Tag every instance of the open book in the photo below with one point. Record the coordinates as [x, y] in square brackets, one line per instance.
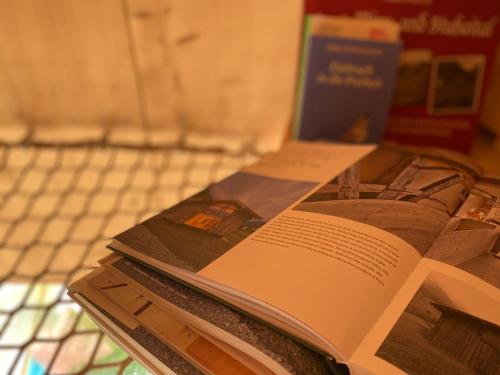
[386, 259]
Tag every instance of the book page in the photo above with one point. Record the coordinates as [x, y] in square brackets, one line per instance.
[332, 274]
[309, 161]
[446, 318]
[405, 196]
[409, 194]
[457, 286]
[443, 321]
[198, 230]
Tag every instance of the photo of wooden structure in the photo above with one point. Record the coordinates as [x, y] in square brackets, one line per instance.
[463, 240]
[198, 230]
[471, 340]
[483, 203]
[400, 174]
[407, 192]
[218, 218]
[471, 239]
[447, 328]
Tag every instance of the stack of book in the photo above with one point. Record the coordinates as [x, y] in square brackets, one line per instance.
[318, 259]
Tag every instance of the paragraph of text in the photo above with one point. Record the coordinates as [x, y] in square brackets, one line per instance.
[363, 252]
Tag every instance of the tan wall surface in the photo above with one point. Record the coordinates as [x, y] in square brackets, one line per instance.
[224, 66]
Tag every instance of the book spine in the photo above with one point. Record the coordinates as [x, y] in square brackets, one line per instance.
[304, 57]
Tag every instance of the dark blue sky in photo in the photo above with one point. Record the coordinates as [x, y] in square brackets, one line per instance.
[266, 196]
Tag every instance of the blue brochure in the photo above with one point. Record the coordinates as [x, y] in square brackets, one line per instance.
[346, 89]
